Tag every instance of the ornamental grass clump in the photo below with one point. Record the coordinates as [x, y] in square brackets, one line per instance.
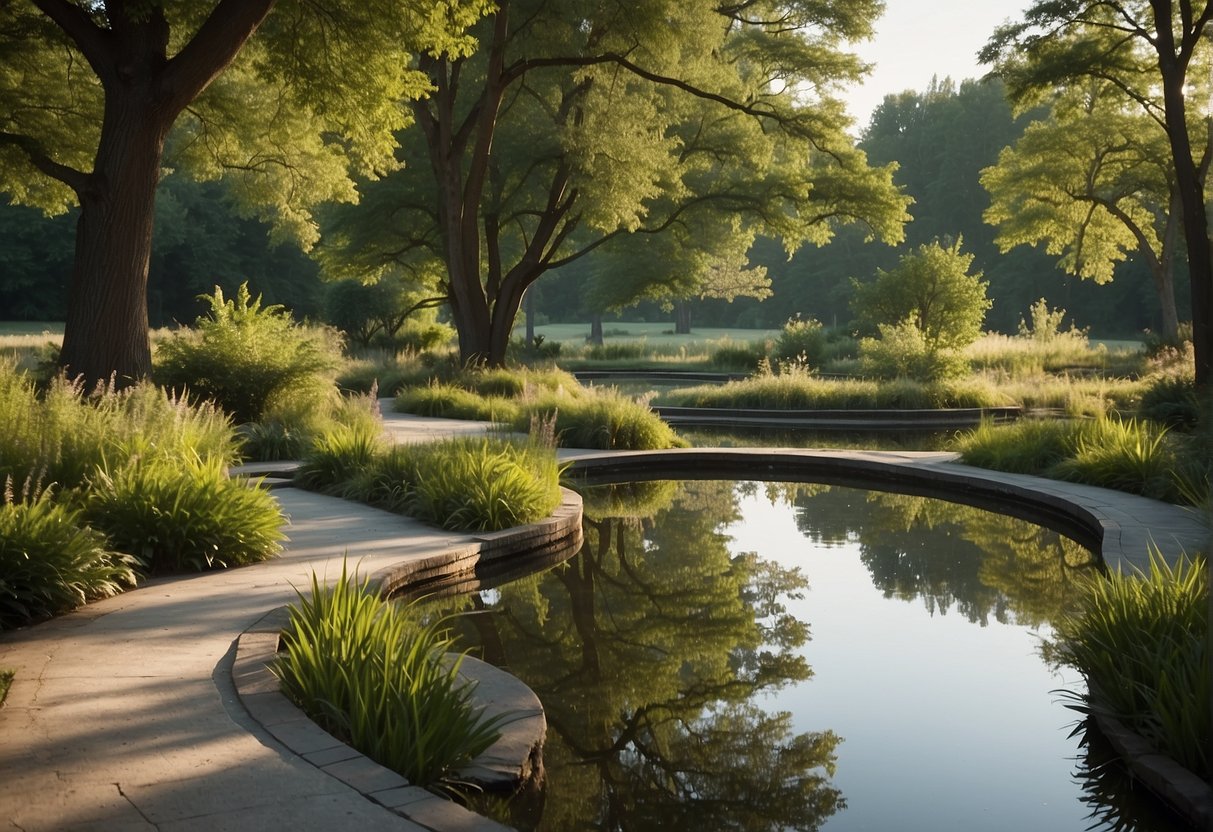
[183, 516]
[607, 420]
[1029, 446]
[50, 561]
[450, 401]
[1139, 640]
[369, 672]
[461, 484]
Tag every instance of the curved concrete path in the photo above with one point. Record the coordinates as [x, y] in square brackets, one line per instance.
[123, 715]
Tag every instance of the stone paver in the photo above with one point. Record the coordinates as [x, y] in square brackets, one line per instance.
[124, 715]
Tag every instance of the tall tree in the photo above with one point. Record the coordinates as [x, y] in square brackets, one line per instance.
[91, 89]
[1152, 51]
[1093, 182]
[576, 123]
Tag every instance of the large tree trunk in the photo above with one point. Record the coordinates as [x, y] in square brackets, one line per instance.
[106, 332]
[595, 338]
[682, 317]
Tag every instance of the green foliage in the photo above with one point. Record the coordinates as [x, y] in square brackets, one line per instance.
[1127, 455]
[371, 674]
[931, 289]
[241, 354]
[452, 402]
[50, 562]
[744, 357]
[6, 681]
[1140, 641]
[802, 391]
[802, 343]
[607, 420]
[183, 516]
[902, 351]
[1029, 446]
[467, 484]
[1171, 399]
[62, 435]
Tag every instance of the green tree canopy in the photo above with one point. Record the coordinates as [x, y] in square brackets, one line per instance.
[1157, 53]
[1093, 182]
[702, 121]
[932, 289]
[292, 95]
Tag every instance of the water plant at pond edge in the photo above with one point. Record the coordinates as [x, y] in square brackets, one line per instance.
[464, 484]
[50, 562]
[369, 672]
[1139, 640]
[1129, 455]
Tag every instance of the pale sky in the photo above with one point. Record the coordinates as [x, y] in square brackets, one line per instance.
[916, 39]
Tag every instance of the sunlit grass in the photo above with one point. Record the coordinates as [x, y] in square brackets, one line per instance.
[372, 674]
[1140, 641]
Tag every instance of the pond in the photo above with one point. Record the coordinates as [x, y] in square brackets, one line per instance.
[787, 656]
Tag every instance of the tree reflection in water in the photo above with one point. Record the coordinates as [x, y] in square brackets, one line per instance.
[655, 650]
[651, 652]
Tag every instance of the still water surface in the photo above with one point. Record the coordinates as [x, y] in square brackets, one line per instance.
[753, 656]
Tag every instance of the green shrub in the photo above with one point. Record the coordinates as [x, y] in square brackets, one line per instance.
[901, 351]
[339, 455]
[50, 562]
[176, 516]
[474, 484]
[607, 420]
[618, 351]
[1172, 400]
[241, 354]
[802, 343]
[464, 484]
[739, 357]
[1126, 455]
[796, 390]
[371, 675]
[1140, 640]
[452, 402]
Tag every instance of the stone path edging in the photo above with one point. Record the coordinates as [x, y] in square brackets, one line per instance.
[514, 758]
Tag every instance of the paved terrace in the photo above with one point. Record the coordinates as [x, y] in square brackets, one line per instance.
[124, 715]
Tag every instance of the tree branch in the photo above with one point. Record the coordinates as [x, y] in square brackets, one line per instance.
[75, 179]
[92, 41]
[213, 47]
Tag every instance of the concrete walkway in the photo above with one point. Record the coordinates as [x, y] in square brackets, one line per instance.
[123, 715]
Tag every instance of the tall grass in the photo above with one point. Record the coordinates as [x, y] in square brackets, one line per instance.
[64, 434]
[51, 562]
[1140, 642]
[797, 390]
[607, 420]
[370, 673]
[462, 484]
[1129, 455]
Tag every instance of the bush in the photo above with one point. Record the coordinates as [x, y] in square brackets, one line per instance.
[903, 352]
[240, 355]
[1139, 640]
[184, 515]
[739, 357]
[801, 343]
[371, 675]
[607, 420]
[466, 484]
[1171, 399]
[50, 562]
[452, 402]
